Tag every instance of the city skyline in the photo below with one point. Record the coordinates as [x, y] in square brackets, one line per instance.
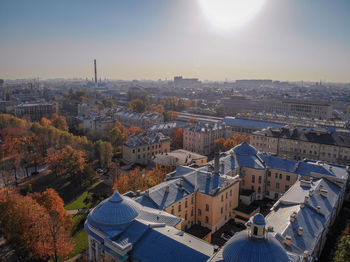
[159, 39]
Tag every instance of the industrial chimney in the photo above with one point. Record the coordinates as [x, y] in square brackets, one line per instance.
[95, 71]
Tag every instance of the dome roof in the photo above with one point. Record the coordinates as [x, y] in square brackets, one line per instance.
[115, 211]
[243, 248]
[245, 149]
[259, 220]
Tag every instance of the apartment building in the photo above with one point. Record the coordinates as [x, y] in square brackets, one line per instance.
[270, 176]
[296, 143]
[144, 120]
[199, 138]
[198, 197]
[35, 112]
[142, 147]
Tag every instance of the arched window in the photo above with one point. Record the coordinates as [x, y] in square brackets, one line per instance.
[255, 231]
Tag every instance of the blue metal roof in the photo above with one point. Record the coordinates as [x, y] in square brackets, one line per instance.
[157, 247]
[243, 248]
[279, 163]
[115, 211]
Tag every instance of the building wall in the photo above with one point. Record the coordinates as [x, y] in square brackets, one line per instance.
[278, 182]
[144, 152]
[298, 150]
[253, 179]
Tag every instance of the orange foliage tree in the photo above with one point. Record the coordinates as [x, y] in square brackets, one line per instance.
[59, 122]
[157, 108]
[45, 122]
[178, 138]
[33, 225]
[192, 120]
[140, 179]
[223, 145]
[134, 130]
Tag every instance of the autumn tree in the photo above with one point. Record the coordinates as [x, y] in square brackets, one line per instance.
[170, 116]
[134, 130]
[59, 241]
[343, 250]
[177, 141]
[157, 108]
[192, 120]
[59, 122]
[104, 153]
[137, 105]
[219, 144]
[40, 229]
[45, 122]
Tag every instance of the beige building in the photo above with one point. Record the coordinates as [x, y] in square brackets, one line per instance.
[140, 148]
[270, 176]
[298, 144]
[196, 196]
[144, 120]
[200, 138]
[179, 157]
[36, 111]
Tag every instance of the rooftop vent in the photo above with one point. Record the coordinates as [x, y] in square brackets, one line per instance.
[324, 192]
[181, 182]
[305, 183]
[216, 248]
[311, 192]
[167, 189]
[306, 199]
[270, 228]
[306, 254]
[147, 193]
[138, 192]
[302, 205]
[318, 209]
[292, 217]
[288, 240]
[300, 231]
[321, 187]
[208, 175]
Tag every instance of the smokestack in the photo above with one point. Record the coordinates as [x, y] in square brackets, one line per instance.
[95, 71]
[216, 163]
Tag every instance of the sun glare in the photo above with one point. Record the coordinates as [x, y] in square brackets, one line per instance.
[230, 14]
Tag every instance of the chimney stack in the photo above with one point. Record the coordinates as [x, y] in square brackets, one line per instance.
[216, 163]
[95, 67]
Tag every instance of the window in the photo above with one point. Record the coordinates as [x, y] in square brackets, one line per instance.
[231, 192]
[259, 179]
[253, 179]
[172, 211]
[259, 190]
[286, 187]
[222, 210]
[186, 203]
[226, 195]
[222, 198]
[253, 188]
[288, 178]
[277, 185]
[179, 208]
[192, 200]
[191, 212]
[206, 219]
[230, 203]
[199, 212]
[138, 150]
[133, 151]
[206, 207]
[186, 216]
[280, 176]
[276, 175]
[268, 183]
[226, 206]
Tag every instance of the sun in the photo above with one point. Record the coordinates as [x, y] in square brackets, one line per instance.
[230, 14]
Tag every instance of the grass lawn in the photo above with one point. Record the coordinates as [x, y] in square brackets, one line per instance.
[80, 236]
[79, 202]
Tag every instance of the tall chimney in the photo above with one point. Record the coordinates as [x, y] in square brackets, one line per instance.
[216, 163]
[95, 71]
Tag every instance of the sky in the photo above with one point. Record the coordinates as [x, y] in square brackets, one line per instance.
[158, 39]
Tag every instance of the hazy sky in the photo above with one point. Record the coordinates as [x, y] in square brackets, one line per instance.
[152, 39]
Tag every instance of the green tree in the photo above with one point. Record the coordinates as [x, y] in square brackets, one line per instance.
[343, 252]
[104, 153]
[138, 105]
